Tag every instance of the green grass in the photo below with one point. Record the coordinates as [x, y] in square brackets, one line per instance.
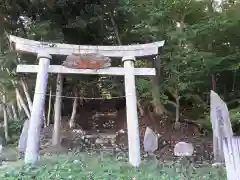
[105, 166]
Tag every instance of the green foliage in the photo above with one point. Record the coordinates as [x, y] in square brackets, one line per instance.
[201, 41]
[95, 166]
[234, 118]
[45, 30]
[15, 127]
[144, 88]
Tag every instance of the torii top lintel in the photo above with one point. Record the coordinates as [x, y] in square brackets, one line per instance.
[137, 50]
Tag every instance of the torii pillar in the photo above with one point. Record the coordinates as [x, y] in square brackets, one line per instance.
[36, 119]
[131, 108]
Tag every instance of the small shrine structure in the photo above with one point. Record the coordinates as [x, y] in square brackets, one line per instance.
[44, 52]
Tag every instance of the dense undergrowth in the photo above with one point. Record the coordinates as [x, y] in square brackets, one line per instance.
[105, 166]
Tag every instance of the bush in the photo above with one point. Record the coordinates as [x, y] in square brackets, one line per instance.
[15, 127]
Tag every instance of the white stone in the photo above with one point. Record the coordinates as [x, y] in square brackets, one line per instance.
[150, 141]
[183, 149]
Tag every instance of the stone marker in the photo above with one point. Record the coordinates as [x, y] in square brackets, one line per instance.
[22, 144]
[183, 149]
[150, 141]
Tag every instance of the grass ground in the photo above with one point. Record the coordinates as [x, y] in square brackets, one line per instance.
[92, 166]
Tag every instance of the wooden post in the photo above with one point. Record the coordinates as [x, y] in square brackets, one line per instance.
[35, 124]
[57, 110]
[131, 108]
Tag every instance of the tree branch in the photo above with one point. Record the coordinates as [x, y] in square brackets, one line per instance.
[116, 31]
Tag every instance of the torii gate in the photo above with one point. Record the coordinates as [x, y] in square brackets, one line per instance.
[44, 50]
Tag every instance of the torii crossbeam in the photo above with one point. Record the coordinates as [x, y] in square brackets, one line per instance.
[44, 50]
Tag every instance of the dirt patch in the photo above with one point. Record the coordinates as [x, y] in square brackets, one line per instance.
[168, 136]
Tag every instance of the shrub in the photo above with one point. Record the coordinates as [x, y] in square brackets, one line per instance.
[15, 127]
[234, 118]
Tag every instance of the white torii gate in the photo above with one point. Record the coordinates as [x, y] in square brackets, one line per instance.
[44, 50]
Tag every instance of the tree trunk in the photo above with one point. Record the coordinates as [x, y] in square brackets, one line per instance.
[29, 100]
[19, 107]
[9, 113]
[116, 31]
[49, 107]
[176, 94]
[140, 108]
[3, 96]
[57, 111]
[156, 123]
[74, 111]
[14, 112]
[234, 80]
[44, 118]
[158, 106]
[5, 118]
[177, 123]
[22, 103]
[214, 84]
[1, 32]
[26, 92]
